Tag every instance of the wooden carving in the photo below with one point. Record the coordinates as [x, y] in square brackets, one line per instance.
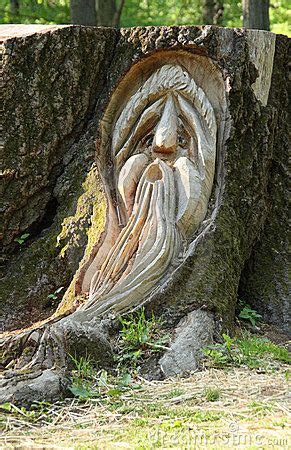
[163, 148]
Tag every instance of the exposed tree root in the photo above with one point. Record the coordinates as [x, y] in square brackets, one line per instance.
[36, 362]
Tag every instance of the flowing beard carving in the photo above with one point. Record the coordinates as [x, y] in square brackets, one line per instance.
[145, 247]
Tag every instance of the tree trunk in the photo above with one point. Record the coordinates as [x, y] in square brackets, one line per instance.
[256, 14]
[105, 12]
[148, 173]
[117, 14]
[83, 12]
[213, 12]
[14, 8]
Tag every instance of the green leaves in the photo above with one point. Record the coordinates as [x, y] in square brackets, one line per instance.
[55, 295]
[139, 338]
[22, 238]
[6, 407]
[88, 382]
[250, 314]
[81, 392]
[126, 379]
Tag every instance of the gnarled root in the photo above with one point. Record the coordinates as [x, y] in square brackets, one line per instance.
[36, 362]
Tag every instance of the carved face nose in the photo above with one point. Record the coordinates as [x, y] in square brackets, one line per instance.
[165, 139]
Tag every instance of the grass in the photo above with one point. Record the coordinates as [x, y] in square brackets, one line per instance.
[139, 338]
[176, 393]
[163, 414]
[260, 408]
[239, 396]
[248, 350]
[258, 347]
[212, 394]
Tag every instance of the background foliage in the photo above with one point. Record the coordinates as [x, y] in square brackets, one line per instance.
[146, 12]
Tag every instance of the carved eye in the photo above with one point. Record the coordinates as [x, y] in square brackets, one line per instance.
[148, 140]
[182, 141]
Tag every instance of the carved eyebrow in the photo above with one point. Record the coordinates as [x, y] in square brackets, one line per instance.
[195, 121]
[136, 112]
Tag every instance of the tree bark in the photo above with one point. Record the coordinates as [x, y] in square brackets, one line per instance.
[14, 8]
[105, 12]
[213, 12]
[83, 12]
[55, 187]
[256, 14]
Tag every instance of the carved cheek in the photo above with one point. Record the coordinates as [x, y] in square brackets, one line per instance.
[129, 177]
[188, 183]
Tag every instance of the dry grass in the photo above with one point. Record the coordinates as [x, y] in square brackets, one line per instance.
[251, 412]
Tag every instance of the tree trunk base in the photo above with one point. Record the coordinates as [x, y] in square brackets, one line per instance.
[189, 205]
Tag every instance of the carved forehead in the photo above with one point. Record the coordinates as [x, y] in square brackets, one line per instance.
[167, 79]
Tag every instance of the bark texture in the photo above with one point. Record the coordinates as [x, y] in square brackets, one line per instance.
[52, 189]
[213, 12]
[256, 14]
[49, 173]
[264, 280]
[83, 12]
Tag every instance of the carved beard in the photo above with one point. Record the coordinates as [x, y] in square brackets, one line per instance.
[164, 190]
[146, 246]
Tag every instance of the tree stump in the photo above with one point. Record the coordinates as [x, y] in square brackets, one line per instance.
[143, 167]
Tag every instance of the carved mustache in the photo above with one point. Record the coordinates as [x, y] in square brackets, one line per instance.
[187, 190]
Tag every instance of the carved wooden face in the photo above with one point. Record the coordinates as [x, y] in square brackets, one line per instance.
[163, 146]
[168, 120]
